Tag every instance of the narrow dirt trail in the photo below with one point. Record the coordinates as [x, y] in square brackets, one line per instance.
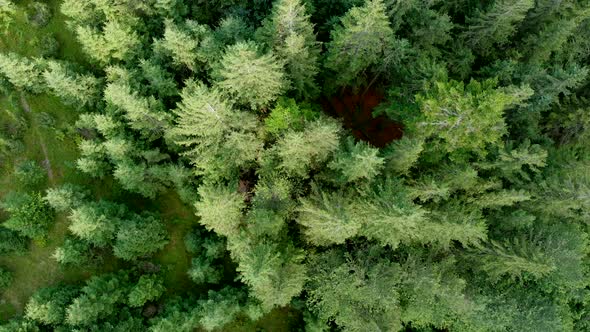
[46, 162]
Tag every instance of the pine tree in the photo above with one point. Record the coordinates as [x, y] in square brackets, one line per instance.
[96, 222]
[329, 217]
[359, 42]
[23, 73]
[249, 78]
[182, 42]
[144, 114]
[273, 271]
[220, 209]
[303, 151]
[65, 197]
[30, 216]
[73, 252]
[72, 88]
[139, 236]
[357, 292]
[356, 162]
[117, 41]
[47, 305]
[466, 118]
[148, 288]
[219, 140]
[98, 299]
[288, 31]
[496, 25]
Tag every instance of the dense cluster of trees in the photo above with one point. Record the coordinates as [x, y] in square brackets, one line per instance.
[475, 220]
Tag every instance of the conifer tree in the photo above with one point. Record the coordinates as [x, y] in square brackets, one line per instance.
[302, 151]
[360, 42]
[47, 305]
[139, 236]
[495, 25]
[75, 89]
[23, 73]
[144, 114]
[96, 222]
[288, 31]
[148, 288]
[273, 271]
[97, 300]
[219, 140]
[249, 78]
[220, 209]
[466, 117]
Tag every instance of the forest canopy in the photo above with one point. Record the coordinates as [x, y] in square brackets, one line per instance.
[294, 165]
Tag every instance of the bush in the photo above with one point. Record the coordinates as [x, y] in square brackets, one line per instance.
[73, 252]
[49, 47]
[38, 14]
[11, 242]
[30, 215]
[5, 278]
[30, 175]
[66, 197]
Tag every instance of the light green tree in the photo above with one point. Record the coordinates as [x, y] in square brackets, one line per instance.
[361, 41]
[139, 236]
[23, 73]
[288, 31]
[219, 140]
[250, 78]
[466, 117]
[220, 209]
[148, 288]
[72, 88]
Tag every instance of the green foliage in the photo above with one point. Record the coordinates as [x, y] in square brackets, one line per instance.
[96, 222]
[23, 73]
[249, 78]
[11, 242]
[356, 162]
[65, 197]
[359, 42]
[72, 88]
[205, 123]
[97, 299]
[357, 293]
[289, 33]
[30, 216]
[287, 115]
[466, 117]
[48, 305]
[475, 220]
[30, 175]
[38, 14]
[220, 209]
[7, 11]
[144, 114]
[5, 278]
[220, 308]
[328, 217]
[182, 42]
[303, 151]
[496, 25]
[148, 288]
[275, 274]
[116, 41]
[73, 252]
[139, 236]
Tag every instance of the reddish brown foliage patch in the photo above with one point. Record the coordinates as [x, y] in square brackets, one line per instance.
[356, 111]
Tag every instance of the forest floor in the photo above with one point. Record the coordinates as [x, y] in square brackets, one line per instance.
[47, 138]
